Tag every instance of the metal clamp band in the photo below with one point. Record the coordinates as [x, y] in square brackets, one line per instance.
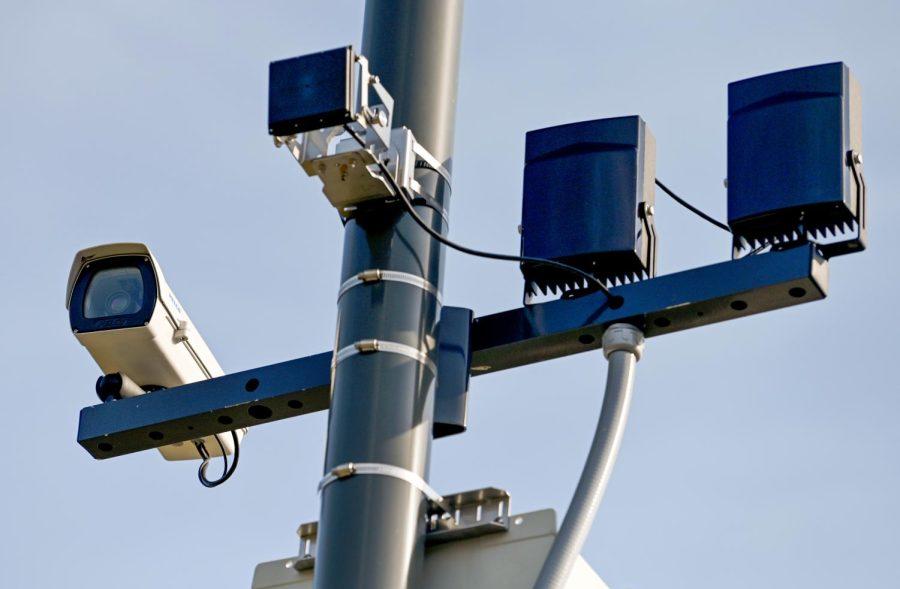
[376, 275]
[370, 346]
[431, 161]
[350, 469]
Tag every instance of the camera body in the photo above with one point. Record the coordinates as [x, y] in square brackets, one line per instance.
[123, 311]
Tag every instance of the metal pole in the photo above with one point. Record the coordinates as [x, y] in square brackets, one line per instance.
[371, 528]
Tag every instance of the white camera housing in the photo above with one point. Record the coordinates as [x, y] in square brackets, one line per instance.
[123, 311]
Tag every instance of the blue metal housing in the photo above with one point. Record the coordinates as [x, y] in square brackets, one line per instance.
[588, 190]
[791, 175]
[311, 92]
[454, 363]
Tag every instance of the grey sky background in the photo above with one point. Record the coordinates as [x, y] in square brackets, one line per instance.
[761, 452]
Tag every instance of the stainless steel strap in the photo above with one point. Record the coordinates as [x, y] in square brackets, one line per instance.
[370, 346]
[375, 275]
[350, 469]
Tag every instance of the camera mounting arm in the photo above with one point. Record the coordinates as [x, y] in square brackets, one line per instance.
[349, 167]
[685, 300]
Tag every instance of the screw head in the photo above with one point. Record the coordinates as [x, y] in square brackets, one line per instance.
[377, 117]
[857, 158]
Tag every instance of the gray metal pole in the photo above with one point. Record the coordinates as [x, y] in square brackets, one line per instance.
[371, 528]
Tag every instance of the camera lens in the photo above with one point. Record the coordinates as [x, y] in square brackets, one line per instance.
[118, 303]
[113, 292]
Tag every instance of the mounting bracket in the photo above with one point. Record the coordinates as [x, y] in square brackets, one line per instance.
[665, 304]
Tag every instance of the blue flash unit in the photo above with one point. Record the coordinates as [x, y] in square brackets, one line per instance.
[588, 202]
[795, 160]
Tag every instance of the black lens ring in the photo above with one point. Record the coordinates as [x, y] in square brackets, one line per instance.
[82, 324]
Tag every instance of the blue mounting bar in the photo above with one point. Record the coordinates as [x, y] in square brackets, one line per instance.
[674, 302]
[207, 407]
[661, 305]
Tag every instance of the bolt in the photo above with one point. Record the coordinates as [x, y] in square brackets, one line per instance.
[650, 211]
[376, 116]
[857, 158]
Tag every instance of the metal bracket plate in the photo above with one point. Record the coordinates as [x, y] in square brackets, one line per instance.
[467, 515]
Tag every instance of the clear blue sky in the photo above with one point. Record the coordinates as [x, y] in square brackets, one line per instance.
[761, 453]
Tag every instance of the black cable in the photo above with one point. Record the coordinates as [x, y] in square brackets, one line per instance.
[407, 201]
[227, 471]
[692, 208]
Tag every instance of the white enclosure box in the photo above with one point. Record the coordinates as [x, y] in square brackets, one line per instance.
[502, 560]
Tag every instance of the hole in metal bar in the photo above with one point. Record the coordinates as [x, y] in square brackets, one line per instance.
[251, 385]
[797, 292]
[699, 313]
[295, 404]
[155, 435]
[738, 305]
[105, 446]
[225, 420]
[586, 338]
[615, 302]
[259, 412]
[662, 322]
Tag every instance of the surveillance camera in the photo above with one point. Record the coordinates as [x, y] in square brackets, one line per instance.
[124, 313]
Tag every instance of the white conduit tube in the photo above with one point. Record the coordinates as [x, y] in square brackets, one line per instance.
[623, 345]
